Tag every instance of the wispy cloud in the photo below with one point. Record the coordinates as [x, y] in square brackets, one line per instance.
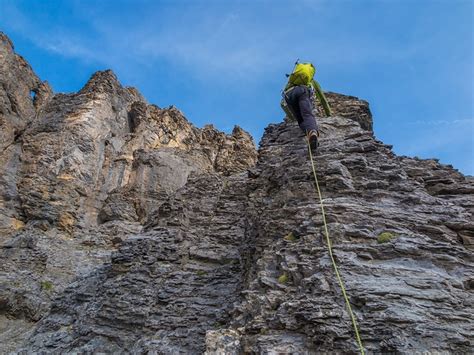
[447, 122]
[56, 40]
[451, 141]
[232, 45]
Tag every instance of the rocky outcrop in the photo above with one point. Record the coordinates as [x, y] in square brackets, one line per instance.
[350, 107]
[22, 95]
[125, 229]
[82, 171]
[407, 270]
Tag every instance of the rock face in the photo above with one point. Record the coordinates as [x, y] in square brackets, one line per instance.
[350, 107]
[125, 229]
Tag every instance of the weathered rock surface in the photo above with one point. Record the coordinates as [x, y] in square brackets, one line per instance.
[411, 293]
[22, 95]
[125, 229]
[350, 107]
[82, 172]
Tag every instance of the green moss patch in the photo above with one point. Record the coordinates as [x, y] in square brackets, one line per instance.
[47, 286]
[283, 278]
[385, 237]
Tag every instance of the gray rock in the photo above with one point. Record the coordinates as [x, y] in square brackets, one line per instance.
[350, 107]
[22, 96]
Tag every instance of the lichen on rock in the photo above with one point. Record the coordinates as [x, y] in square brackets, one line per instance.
[385, 237]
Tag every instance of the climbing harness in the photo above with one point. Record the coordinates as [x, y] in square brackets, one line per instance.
[336, 270]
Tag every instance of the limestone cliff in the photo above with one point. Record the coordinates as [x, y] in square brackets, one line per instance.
[125, 229]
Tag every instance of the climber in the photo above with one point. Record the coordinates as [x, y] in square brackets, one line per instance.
[298, 98]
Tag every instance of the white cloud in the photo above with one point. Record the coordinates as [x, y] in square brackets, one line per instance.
[451, 143]
[443, 137]
[212, 43]
[449, 122]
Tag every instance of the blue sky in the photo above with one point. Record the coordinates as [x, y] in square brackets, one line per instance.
[223, 62]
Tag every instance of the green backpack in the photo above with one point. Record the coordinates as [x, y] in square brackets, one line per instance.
[302, 74]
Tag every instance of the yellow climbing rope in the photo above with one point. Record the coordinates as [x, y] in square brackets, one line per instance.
[336, 270]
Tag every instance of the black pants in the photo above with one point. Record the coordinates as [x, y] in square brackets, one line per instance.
[299, 100]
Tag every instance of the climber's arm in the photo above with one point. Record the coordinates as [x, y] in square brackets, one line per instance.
[322, 99]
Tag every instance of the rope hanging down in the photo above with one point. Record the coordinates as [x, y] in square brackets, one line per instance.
[336, 270]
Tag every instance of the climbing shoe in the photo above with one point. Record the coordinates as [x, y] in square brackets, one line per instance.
[313, 139]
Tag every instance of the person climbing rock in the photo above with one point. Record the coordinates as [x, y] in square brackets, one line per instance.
[298, 98]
